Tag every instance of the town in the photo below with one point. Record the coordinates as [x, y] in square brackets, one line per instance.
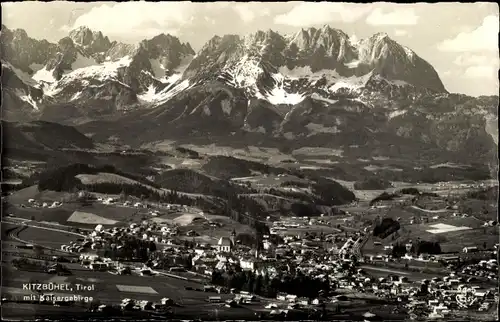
[299, 264]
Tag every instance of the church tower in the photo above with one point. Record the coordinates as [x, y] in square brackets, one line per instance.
[233, 237]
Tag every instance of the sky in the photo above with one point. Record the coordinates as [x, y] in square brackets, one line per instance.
[459, 39]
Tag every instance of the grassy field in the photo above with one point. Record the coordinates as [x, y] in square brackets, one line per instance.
[22, 196]
[310, 229]
[104, 177]
[61, 215]
[453, 241]
[89, 218]
[270, 180]
[48, 238]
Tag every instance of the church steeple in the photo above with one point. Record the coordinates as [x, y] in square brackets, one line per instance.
[233, 236]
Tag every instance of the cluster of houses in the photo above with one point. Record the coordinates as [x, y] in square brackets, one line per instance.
[102, 237]
[35, 204]
[484, 269]
[297, 222]
[436, 297]
[143, 205]
[325, 257]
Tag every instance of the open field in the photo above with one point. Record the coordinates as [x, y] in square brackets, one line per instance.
[453, 233]
[65, 215]
[103, 178]
[252, 153]
[89, 218]
[444, 228]
[22, 196]
[269, 180]
[309, 229]
[187, 219]
[454, 241]
[44, 237]
[111, 289]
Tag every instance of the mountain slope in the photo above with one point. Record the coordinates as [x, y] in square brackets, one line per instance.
[85, 74]
[315, 87]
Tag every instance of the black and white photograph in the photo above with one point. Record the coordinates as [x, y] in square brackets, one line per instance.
[249, 161]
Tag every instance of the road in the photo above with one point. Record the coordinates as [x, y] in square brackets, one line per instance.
[385, 270]
[437, 211]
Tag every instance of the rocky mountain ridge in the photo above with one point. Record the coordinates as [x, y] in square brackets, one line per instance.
[86, 68]
[316, 87]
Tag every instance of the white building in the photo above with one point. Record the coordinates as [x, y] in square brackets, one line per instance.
[225, 245]
[248, 263]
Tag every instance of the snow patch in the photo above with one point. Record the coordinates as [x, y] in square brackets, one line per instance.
[27, 98]
[305, 72]
[394, 114]
[352, 64]
[409, 53]
[318, 97]
[166, 94]
[76, 96]
[320, 128]
[352, 83]
[246, 72]
[354, 40]
[397, 82]
[171, 79]
[149, 95]
[82, 62]
[102, 72]
[278, 95]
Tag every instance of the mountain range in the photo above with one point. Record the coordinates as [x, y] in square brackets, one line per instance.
[316, 87]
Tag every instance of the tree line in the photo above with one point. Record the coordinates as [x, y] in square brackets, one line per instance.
[295, 283]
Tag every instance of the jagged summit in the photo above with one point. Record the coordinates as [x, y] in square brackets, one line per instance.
[281, 69]
[94, 41]
[313, 85]
[319, 49]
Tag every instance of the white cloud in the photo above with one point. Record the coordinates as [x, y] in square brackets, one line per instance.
[310, 13]
[246, 14]
[136, 18]
[401, 32]
[484, 37]
[481, 71]
[446, 73]
[403, 17]
[468, 59]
